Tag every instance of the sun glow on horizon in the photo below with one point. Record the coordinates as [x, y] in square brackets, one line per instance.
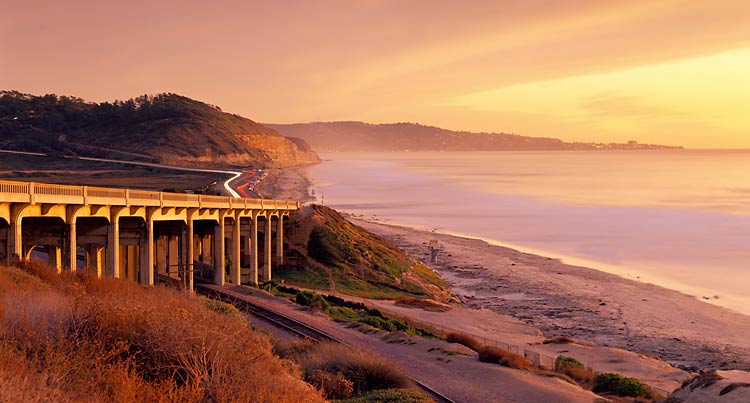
[705, 96]
[669, 72]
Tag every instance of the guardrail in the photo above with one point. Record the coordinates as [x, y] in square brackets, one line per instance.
[31, 192]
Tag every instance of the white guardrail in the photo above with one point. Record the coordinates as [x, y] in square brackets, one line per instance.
[31, 192]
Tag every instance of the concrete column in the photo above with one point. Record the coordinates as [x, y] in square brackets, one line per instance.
[15, 241]
[219, 252]
[190, 254]
[55, 257]
[234, 273]
[130, 259]
[206, 249]
[73, 245]
[147, 254]
[173, 255]
[113, 247]
[161, 250]
[280, 241]
[268, 242]
[254, 249]
[94, 260]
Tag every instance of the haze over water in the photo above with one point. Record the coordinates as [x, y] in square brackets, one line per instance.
[680, 219]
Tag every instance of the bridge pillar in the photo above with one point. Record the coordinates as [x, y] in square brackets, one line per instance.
[190, 252]
[147, 253]
[253, 239]
[268, 242]
[15, 241]
[113, 246]
[173, 255]
[234, 273]
[280, 241]
[72, 245]
[161, 249]
[54, 259]
[94, 259]
[219, 252]
[205, 245]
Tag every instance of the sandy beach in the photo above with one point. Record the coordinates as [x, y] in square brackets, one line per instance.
[559, 299]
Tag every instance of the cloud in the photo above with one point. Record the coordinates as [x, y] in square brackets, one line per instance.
[613, 104]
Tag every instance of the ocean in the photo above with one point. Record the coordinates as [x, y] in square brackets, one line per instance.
[676, 218]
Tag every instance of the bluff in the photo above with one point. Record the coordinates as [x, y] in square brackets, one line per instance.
[359, 136]
[166, 128]
[329, 252]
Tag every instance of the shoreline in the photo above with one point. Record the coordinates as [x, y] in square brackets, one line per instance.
[560, 299]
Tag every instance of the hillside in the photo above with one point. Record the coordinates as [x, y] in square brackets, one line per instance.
[359, 136]
[331, 253]
[65, 338]
[167, 128]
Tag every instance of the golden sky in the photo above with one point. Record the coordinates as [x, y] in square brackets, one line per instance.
[670, 71]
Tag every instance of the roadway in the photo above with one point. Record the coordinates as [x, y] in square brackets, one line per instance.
[227, 188]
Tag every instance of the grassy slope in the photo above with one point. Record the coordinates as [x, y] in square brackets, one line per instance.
[331, 252]
[69, 339]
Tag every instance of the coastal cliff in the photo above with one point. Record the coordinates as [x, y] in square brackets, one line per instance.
[165, 128]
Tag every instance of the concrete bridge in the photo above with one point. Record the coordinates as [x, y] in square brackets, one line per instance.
[140, 235]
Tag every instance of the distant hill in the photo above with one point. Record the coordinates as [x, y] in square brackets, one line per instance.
[359, 136]
[167, 128]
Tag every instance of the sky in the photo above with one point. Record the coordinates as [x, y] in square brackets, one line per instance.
[668, 72]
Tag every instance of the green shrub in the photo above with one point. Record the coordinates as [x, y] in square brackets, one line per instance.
[313, 300]
[575, 370]
[390, 396]
[620, 385]
[565, 361]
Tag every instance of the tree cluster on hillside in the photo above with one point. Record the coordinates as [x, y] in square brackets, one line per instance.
[162, 126]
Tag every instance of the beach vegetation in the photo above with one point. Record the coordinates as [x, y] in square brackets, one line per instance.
[503, 357]
[619, 385]
[464, 339]
[389, 396]
[341, 309]
[422, 303]
[342, 372]
[575, 370]
[559, 340]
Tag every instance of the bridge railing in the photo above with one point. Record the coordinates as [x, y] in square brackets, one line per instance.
[30, 192]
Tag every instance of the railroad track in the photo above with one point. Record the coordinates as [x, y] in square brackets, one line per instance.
[299, 329]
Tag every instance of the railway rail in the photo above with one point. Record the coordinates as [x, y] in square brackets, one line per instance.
[298, 328]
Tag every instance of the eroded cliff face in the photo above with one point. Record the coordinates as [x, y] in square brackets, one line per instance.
[281, 151]
[260, 151]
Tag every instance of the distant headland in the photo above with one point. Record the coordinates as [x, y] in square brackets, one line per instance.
[360, 136]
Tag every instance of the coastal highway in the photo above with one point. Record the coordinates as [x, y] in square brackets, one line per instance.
[227, 188]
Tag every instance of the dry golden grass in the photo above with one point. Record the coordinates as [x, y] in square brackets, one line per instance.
[503, 357]
[75, 339]
[341, 371]
[464, 339]
[426, 304]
